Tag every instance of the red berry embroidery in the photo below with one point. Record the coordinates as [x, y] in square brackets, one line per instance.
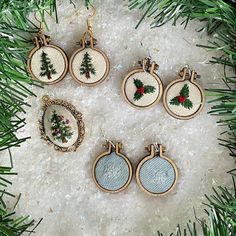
[181, 99]
[140, 90]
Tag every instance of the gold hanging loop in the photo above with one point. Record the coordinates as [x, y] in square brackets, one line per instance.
[89, 33]
[89, 19]
[41, 38]
[39, 21]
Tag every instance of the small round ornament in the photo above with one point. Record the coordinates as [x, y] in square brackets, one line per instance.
[61, 125]
[156, 174]
[184, 98]
[46, 62]
[142, 88]
[112, 170]
[89, 65]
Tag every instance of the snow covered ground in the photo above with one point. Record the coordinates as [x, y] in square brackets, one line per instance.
[59, 186]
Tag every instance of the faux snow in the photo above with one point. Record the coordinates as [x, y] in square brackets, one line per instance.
[59, 186]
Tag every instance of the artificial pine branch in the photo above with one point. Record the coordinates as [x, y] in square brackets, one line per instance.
[9, 224]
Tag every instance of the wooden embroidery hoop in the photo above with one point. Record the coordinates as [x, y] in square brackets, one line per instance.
[152, 153]
[184, 73]
[77, 115]
[110, 148]
[43, 40]
[85, 43]
[150, 68]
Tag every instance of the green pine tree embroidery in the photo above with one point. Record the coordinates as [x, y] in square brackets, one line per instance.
[46, 68]
[61, 130]
[142, 89]
[86, 67]
[182, 99]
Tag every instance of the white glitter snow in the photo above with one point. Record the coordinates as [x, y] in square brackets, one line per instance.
[59, 187]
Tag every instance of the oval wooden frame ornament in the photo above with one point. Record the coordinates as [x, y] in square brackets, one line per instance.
[40, 41]
[183, 73]
[89, 44]
[111, 148]
[148, 67]
[77, 116]
[153, 153]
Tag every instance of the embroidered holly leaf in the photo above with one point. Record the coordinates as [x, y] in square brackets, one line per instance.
[149, 89]
[182, 98]
[137, 96]
[142, 89]
[174, 101]
[187, 104]
[184, 91]
[138, 83]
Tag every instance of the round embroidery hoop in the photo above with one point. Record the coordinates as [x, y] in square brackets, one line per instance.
[101, 62]
[145, 181]
[198, 91]
[104, 178]
[53, 53]
[148, 78]
[69, 111]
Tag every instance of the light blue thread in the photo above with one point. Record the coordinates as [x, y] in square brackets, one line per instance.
[112, 172]
[157, 175]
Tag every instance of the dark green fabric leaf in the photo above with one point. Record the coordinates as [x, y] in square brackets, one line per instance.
[138, 83]
[149, 89]
[187, 104]
[184, 91]
[137, 96]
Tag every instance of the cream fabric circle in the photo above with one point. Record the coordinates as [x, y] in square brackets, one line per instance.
[130, 89]
[56, 59]
[62, 111]
[98, 62]
[195, 96]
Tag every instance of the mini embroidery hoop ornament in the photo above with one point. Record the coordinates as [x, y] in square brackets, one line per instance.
[89, 41]
[186, 74]
[148, 67]
[77, 116]
[111, 147]
[43, 40]
[155, 150]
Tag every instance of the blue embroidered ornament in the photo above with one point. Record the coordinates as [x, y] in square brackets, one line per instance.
[112, 171]
[156, 174]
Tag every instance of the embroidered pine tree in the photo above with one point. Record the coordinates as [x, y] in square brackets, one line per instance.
[183, 98]
[86, 67]
[61, 130]
[46, 68]
[142, 89]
